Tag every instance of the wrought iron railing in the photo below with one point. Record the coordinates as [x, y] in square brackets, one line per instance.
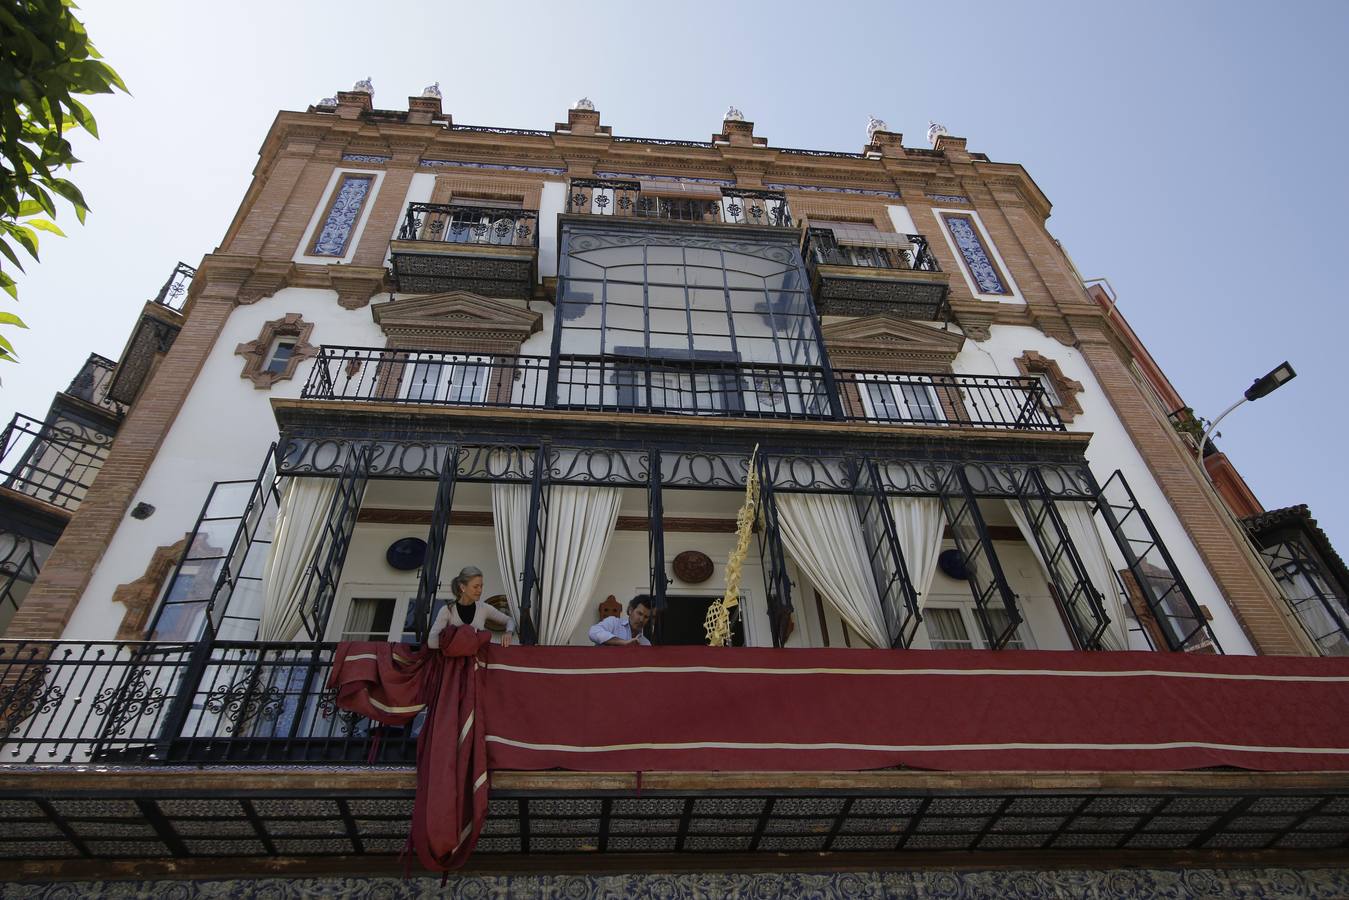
[53, 461]
[679, 387]
[174, 292]
[165, 703]
[463, 224]
[822, 247]
[92, 383]
[626, 200]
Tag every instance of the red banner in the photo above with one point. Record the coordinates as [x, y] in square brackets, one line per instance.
[704, 709]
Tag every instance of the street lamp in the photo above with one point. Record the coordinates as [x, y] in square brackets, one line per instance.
[1265, 384]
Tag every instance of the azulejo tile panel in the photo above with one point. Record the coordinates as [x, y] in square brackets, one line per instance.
[986, 276]
[342, 216]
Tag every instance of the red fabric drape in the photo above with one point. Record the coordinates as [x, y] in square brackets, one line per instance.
[392, 683]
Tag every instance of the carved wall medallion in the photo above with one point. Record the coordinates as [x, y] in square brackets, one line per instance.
[692, 567]
[258, 353]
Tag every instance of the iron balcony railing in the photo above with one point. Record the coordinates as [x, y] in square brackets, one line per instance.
[626, 200]
[53, 461]
[638, 384]
[464, 224]
[173, 294]
[92, 382]
[163, 703]
[822, 247]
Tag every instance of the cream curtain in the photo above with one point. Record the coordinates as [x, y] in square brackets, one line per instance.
[580, 524]
[510, 517]
[822, 533]
[300, 518]
[1087, 541]
[919, 525]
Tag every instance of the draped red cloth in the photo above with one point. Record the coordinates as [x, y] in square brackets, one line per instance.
[392, 683]
[766, 710]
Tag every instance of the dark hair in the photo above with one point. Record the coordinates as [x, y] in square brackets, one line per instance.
[640, 600]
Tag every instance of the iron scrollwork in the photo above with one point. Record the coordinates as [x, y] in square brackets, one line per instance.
[134, 700]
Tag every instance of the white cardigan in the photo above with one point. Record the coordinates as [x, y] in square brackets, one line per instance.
[482, 614]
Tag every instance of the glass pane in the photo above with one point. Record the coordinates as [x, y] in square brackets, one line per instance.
[946, 629]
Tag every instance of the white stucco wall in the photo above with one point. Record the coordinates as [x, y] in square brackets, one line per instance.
[1111, 448]
[221, 433]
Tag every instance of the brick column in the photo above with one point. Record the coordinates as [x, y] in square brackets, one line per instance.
[1226, 552]
[384, 218]
[54, 595]
[302, 195]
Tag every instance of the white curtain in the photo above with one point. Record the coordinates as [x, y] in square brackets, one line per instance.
[510, 518]
[919, 525]
[823, 534]
[580, 524]
[300, 518]
[1087, 541]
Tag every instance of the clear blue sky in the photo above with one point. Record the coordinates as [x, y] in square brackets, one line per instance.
[1191, 150]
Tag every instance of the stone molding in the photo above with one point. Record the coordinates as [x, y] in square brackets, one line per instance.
[1032, 363]
[139, 596]
[457, 319]
[256, 352]
[890, 343]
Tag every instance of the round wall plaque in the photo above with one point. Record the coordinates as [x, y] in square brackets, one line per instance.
[952, 564]
[406, 553]
[693, 567]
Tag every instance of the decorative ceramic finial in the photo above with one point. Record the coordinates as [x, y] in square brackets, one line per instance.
[432, 91]
[734, 115]
[874, 125]
[935, 131]
[584, 103]
[364, 86]
[328, 101]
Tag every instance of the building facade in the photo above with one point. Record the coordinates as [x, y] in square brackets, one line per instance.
[556, 356]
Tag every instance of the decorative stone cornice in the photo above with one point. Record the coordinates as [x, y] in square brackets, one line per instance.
[267, 277]
[457, 316]
[891, 338]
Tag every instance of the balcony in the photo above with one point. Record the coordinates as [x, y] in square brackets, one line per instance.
[487, 250]
[857, 271]
[670, 387]
[189, 753]
[678, 202]
[53, 462]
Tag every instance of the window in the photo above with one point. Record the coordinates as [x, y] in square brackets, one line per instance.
[901, 398]
[333, 235]
[383, 618]
[681, 622]
[1051, 393]
[950, 628]
[445, 378]
[946, 629]
[282, 351]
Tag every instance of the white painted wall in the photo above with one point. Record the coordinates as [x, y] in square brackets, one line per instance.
[221, 433]
[1111, 448]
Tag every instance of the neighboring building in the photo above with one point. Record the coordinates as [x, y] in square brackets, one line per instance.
[1307, 570]
[552, 355]
[49, 464]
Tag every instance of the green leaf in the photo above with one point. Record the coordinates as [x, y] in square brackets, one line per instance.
[26, 237]
[7, 285]
[6, 249]
[44, 225]
[83, 117]
[11, 319]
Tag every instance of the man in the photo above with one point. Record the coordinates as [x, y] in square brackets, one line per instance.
[622, 632]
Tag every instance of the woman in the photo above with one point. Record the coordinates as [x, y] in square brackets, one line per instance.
[467, 609]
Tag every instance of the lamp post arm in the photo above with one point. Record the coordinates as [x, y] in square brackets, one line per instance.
[1203, 441]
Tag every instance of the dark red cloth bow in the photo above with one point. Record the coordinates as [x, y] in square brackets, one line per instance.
[392, 683]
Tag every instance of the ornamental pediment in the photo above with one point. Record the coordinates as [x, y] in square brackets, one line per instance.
[458, 313]
[891, 335]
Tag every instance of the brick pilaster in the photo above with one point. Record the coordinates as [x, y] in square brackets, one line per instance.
[1240, 576]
